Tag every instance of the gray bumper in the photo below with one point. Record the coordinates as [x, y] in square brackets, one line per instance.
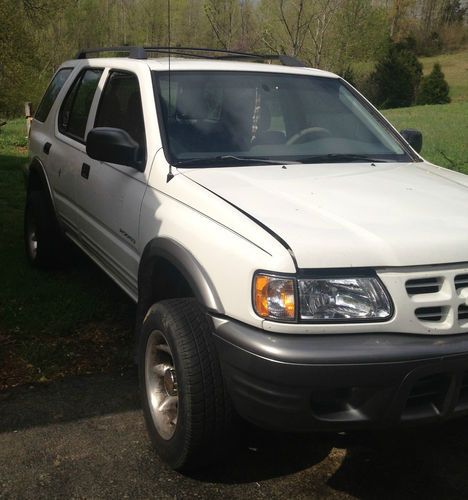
[339, 382]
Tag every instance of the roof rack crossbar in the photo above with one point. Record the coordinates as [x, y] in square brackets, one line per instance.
[136, 52]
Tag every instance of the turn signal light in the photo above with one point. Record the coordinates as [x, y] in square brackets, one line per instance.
[274, 297]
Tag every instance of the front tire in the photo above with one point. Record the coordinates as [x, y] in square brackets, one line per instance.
[187, 410]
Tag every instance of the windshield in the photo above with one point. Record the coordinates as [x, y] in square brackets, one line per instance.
[227, 117]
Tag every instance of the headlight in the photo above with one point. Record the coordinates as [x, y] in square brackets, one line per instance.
[320, 300]
[343, 299]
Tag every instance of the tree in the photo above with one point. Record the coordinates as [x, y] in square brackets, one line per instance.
[396, 77]
[434, 89]
[19, 77]
[358, 33]
[453, 12]
[398, 14]
[299, 27]
[320, 27]
[223, 16]
[285, 25]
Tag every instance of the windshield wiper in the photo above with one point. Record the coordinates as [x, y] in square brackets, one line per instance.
[228, 160]
[338, 158]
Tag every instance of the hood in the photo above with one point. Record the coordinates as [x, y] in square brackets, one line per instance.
[353, 215]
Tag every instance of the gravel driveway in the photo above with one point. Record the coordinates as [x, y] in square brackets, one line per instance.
[85, 438]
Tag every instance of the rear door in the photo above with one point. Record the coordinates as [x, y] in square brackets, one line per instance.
[69, 151]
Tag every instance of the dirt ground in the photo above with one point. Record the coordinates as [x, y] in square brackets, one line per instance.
[84, 437]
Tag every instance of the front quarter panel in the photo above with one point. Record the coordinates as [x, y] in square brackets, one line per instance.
[226, 245]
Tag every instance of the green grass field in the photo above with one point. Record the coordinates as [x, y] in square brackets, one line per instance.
[444, 128]
[73, 320]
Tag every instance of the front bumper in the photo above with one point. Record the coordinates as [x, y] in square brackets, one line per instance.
[341, 382]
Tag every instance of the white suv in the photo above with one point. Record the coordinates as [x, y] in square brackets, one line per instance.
[294, 260]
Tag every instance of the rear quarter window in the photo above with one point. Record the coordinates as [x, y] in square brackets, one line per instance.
[51, 93]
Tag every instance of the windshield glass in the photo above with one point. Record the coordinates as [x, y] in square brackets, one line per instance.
[246, 117]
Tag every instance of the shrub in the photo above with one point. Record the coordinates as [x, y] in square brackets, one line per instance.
[434, 89]
[396, 78]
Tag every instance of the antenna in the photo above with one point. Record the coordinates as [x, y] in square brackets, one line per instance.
[170, 175]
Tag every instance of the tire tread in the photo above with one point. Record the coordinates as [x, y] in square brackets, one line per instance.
[210, 420]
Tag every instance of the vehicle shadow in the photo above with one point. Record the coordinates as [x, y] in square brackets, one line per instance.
[424, 462]
[429, 461]
[260, 454]
[263, 455]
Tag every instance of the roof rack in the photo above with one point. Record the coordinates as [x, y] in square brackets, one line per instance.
[141, 52]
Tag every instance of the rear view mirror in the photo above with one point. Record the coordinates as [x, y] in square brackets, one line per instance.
[413, 137]
[113, 145]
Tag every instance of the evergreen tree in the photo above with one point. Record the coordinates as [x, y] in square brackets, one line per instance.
[434, 89]
[396, 78]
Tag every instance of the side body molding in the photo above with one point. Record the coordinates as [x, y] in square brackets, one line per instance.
[194, 273]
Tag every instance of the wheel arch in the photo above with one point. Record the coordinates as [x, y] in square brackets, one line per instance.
[163, 256]
[36, 179]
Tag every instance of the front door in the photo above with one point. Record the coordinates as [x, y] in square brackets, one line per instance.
[109, 196]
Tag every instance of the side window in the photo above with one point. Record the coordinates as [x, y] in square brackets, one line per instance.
[120, 106]
[51, 94]
[75, 108]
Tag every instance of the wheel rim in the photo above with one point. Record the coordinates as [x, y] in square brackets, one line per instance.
[32, 237]
[161, 385]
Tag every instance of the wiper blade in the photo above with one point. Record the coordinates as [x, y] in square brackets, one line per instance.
[228, 160]
[332, 158]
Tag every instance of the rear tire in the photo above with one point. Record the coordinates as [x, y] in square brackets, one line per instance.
[44, 243]
[187, 410]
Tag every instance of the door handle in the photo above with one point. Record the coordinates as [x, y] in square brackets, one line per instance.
[47, 147]
[85, 168]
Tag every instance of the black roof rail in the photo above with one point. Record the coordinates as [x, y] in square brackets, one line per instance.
[290, 61]
[133, 52]
[136, 52]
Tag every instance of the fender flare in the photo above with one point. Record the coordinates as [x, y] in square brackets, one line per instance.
[37, 166]
[188, 266]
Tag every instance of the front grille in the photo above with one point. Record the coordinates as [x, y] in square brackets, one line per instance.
[429, 300]
[437, 300]
[461, 281]
[423, 285]
[463, 312]
[429, 313]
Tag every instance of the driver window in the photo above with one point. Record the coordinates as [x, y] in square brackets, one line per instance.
[120, 106]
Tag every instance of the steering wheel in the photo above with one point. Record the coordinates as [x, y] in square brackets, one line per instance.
[316, 132]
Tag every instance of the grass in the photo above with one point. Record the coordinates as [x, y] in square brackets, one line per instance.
[52, 324]
[444, 128]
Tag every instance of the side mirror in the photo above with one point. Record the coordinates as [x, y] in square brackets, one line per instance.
[113, 145]
[413, 137]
